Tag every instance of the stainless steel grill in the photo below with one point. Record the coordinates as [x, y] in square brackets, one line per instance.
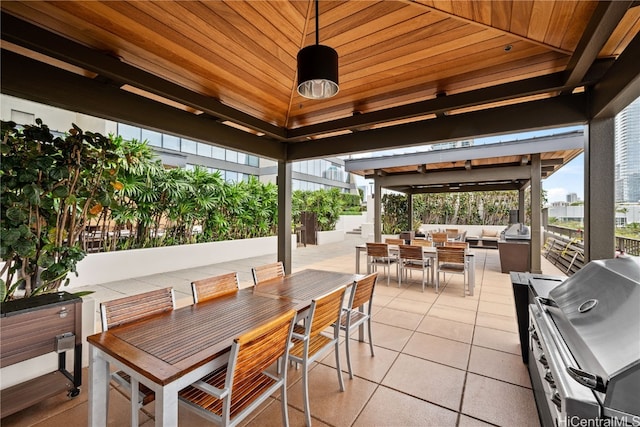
[584, 347]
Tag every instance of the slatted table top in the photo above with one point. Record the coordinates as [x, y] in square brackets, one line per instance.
[305, 285]
[166, 346]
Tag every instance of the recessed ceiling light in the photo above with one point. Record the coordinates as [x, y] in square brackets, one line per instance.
[508, 47]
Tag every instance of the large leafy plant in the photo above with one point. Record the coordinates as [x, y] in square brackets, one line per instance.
[50, 186]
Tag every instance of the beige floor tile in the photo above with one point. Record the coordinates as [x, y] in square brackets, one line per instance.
[497, 308]
[495, 321]
[466, 421]
[416, 294]
[504, 291]
[436, 349]
[457, 301]
[418, 307]
[390, 337]
[400, 319]
[382, 289]
[499, 365]
[381, 300]
[271, 416]
[498, 402]
[372, 368]
[452, 313]
[502, 299]
[327, 402]
[496, 339]
[447, 329]
[402, 410]
[426, 380]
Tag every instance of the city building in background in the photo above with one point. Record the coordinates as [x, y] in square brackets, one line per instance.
[176, 152]
[627, 166]
[572, 198]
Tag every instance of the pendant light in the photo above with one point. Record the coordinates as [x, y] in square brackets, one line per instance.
[317, 69]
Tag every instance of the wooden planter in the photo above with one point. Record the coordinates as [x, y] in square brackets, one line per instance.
[35, 326]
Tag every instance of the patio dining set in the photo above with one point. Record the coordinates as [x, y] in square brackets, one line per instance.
[226, 353]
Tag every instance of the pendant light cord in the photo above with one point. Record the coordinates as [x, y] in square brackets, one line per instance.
[317, 25]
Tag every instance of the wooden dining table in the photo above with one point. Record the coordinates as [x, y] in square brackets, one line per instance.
[167, 352]
[431, 252]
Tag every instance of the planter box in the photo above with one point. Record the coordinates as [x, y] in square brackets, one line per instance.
[106, 267]
[325, 237]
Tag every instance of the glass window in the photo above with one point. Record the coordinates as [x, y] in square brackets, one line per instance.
[253, 160]
[231, 176]
[21, 118]
[171, 142]
[304, 166]
[189, 146]
[189, 167]
[242, 158]
[217, 153]
[128, 132]
[295, 167]
[152, 137]
[232, 156]
[204, 149]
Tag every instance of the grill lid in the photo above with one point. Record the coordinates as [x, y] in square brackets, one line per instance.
[597, 312]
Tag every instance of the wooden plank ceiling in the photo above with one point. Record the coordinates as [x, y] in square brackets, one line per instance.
[400, 61]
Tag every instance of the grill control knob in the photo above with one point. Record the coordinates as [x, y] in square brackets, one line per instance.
[557, 400]
[542, 359]
[549, 378]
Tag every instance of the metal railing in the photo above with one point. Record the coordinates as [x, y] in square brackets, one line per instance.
[627, 245]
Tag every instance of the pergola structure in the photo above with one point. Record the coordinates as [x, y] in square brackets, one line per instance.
[496, 167]
[410, 73]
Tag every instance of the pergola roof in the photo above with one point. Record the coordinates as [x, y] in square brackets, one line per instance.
[492, 167]
[411, 72]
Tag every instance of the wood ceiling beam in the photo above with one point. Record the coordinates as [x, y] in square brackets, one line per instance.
[547, 113]
[508, 173]
[603, 23]
[463, 189]
[37, 39]
[533, 86]
[30, 79]
[620, 86]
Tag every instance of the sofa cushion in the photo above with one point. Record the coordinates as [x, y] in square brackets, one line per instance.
[489, 233]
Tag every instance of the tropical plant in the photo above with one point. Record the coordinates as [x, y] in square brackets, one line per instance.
[50, 187]
[325, 203]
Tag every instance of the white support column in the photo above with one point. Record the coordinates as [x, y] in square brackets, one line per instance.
[284, 214]
[599, 190]
[536, 214]
[377, 214]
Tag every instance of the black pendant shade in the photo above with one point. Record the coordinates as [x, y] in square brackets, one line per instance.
[317, 68]
[317, 72]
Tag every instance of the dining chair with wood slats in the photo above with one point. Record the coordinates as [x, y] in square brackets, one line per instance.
[413, 258]
[129, 309]
[229, 394]
[266, 272]
[378, 254]
[451, 260]
[309, 343]
[356, 314]
[439, 239]
[422, 242]
[392, 241]
[457, 245]
[214, 287]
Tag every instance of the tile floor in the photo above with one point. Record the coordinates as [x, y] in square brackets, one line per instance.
[440, 359]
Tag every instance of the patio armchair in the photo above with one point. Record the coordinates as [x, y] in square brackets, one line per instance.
[214, 287]
[392, 241]
[229, 394]
[356, 314]
[422, 242]
[439, 238]
[451, 260]
[129, 309]
[378, 255]
[266, 272]
[310, 344]
[412, 258]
